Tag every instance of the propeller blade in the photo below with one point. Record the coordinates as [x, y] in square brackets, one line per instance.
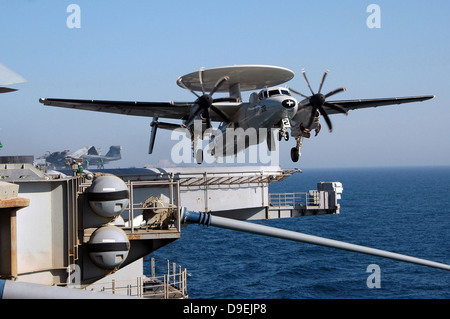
[192, 118]
[180, 82]
[307, 82]
[219, 84]
[327, 119]
[208, 119]
[154, 126]
[318, 101]
[221, 114]
[298, 93]
[334, 92]
[336, 107]
[313, 115]
[323, 80]
[200, 77]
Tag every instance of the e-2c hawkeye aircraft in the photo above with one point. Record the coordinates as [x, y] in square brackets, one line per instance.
[272, 108]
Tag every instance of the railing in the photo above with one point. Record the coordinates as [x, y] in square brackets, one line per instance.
[288, 199]
[167, 281]
[170, 285]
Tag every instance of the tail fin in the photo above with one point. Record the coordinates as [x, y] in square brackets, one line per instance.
[114, 151]
[93, 151]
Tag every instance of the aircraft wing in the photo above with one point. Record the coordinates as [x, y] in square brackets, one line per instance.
[172, 110]
[9, 77]
[359, 104]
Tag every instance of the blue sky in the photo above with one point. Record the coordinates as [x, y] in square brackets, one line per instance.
[136, 50]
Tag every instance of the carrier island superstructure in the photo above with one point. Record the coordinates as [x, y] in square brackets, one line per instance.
[84, 234]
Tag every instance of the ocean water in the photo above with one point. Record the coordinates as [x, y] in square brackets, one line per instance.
[403, 210]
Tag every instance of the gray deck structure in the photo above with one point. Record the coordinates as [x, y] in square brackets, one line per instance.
[51, 228]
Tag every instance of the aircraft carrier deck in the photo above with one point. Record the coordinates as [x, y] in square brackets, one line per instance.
[91, 230]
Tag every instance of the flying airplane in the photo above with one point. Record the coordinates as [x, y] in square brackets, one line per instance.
[272, 108]
[89, 154]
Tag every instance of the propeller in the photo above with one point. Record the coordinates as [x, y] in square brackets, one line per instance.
[154, 126]
[318, 101]
[205, 101]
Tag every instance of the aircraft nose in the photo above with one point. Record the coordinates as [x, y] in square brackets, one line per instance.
[289, 103]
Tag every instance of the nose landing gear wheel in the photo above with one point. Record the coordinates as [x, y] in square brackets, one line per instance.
[294, 154]
[282, 134]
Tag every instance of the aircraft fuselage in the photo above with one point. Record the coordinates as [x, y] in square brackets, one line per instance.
[270, 108]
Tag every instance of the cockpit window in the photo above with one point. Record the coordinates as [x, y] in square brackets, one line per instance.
[268, 93]
[263, 94]
[274, 92]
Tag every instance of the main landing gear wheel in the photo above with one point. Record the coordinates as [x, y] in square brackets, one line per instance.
[199, 156]
[270, 140]
[294, 154]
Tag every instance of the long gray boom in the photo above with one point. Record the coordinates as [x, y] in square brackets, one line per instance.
[227, 223]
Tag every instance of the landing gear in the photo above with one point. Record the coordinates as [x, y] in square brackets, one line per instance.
[199, 156]
[270, 140]
[295, 154]
[295, 151]
[282, 134]
[285, 124]
[197, 153]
